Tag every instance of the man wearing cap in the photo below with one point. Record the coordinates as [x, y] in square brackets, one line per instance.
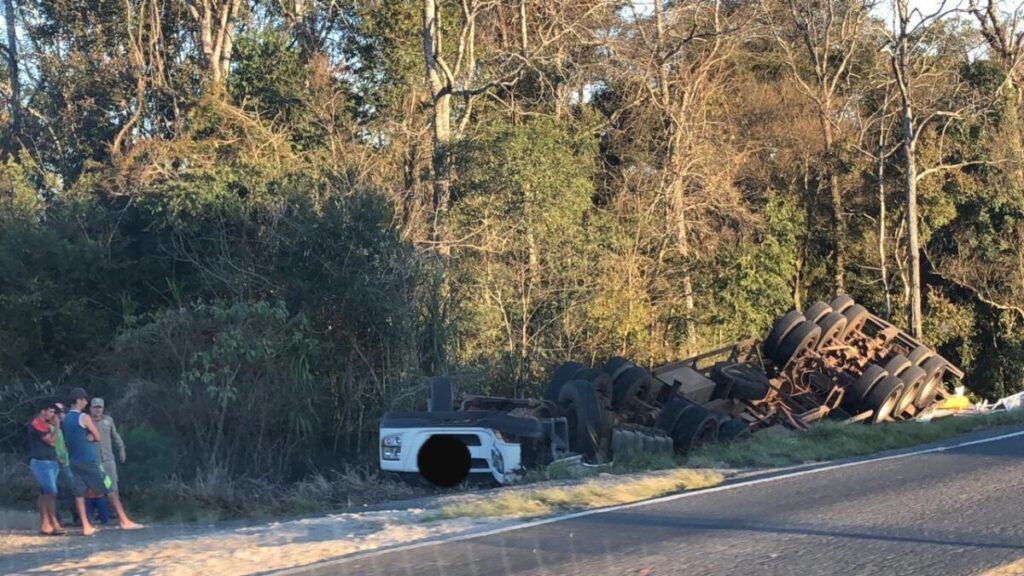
[109, 438]
[81, 436]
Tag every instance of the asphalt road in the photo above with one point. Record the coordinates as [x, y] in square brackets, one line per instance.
[955, 512]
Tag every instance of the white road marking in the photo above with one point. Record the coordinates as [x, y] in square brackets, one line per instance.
[670, 498]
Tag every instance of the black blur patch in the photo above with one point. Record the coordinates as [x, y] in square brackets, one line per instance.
[443, 461]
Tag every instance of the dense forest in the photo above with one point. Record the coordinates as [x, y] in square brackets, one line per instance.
[254, 225]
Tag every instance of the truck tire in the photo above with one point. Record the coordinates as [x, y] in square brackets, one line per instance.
[733, 429]
[633, 384]
[743, 381]
[934, 369]
[883, 398]
[696, 427]
[804, 336]
[565, 372]
[913, 379]
[670, 414]
[853, 397]
[615, 366]
[841, 303]
[441, 398]
[832, 325]
[601, 381]
[856, 316]
[780, 329]
[920, 354]
[722, 417]
[579, 404]
[897, 365]
[816, 312]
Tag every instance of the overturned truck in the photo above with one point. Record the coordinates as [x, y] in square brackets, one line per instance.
[832, 360]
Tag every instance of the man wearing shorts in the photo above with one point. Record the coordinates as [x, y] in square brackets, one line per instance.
[81, 436]
[109, 440]
[43, 462]
[65, 497]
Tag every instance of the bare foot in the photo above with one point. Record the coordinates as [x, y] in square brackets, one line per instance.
[89, 531]
[129, 525]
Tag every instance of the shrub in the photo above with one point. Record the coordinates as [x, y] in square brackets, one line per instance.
[151, 457]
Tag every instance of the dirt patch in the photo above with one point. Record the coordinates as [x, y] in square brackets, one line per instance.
[245, 550]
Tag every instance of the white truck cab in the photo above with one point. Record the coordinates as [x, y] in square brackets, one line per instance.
[400, 445]
[502, 436]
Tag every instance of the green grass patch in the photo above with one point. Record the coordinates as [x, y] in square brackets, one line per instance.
[825, 441]
[591, 494]
[832, 440]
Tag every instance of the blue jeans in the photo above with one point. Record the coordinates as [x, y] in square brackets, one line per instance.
[45, 472]
[96, 509]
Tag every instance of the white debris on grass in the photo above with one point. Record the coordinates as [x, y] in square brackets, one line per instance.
[256, 549]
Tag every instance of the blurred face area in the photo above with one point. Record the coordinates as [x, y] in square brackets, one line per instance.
[46, 414]
[96, 412]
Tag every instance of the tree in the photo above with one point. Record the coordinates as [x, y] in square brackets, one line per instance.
[914, 69]
[668, 67]
[215, 34]
[525, 257]
[827, 36]
[13, 68]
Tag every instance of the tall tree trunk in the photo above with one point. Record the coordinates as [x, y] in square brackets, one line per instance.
[913, 247]
[216, 21]
[440, 93]
[900, 66]
[838, 217]
[12, 68]
[677, 189]
[883, 260]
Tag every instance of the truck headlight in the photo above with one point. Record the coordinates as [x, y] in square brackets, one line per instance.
[391, 447]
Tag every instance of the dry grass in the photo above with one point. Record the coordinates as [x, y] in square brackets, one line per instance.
[591, 494]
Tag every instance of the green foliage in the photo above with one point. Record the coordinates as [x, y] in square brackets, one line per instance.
[523, 206]
[49, 275]
[240, 373]
[151, 458]
[753, 281]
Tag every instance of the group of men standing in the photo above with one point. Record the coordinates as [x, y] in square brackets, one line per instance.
[74, 451]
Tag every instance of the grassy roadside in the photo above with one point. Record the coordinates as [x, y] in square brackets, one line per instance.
[831, 440]
[590, 494]
[826, 441]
